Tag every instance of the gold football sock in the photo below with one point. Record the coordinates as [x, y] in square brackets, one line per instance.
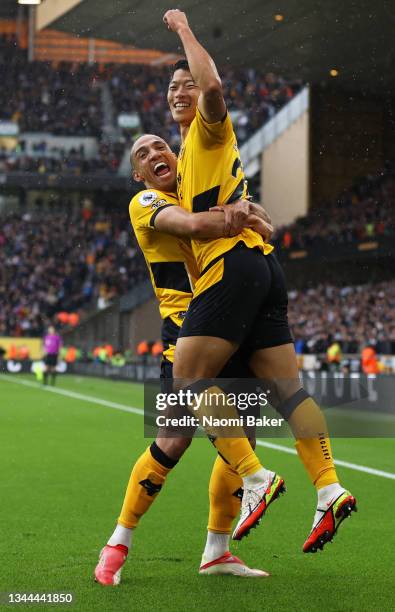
[225, 491]
[230, 439]
[309, 427]
[146, 480]
[239, 454]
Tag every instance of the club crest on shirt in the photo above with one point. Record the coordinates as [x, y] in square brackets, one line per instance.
[147, 198]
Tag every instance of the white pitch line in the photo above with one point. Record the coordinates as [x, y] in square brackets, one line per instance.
[73, 394]
[347, 464]
[96, 400]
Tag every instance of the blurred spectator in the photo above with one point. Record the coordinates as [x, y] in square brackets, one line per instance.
[47, 271]
[351, 316]
[42, 98]
[334, 356]
[60, 161]
[364, 212]
[62, 264]
[118, 360]
[252, 97]
[157, 349]
[369, 362]
[143, 350]
[65, 99]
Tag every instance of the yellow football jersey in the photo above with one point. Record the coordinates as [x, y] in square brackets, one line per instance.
[169, 259]
[210, 173]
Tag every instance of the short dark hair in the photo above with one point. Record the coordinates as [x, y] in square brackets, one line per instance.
[182, 64]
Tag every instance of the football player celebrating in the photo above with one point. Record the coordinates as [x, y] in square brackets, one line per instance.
[242, 277]
[162, 238]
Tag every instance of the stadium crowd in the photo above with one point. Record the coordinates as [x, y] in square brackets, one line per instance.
[45, 269]
[75, 260]
[58, 160]
[363, 212]
[65, 99]
[40, 98]
[252, 97]
[81, 259]
[354, 316]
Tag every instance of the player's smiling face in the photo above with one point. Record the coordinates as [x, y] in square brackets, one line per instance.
[154, 163]
[182, 96]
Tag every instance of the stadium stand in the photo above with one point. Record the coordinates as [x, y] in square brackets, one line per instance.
[62, 101]
[58, 160]
[354, 316]
[252, 97]
[69, 262]
[65, 99]
[45, 269]
[363, 212]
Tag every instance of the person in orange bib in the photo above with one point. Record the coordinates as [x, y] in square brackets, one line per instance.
[369, 361]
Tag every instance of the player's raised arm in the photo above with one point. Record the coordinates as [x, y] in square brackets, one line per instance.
[211, 102]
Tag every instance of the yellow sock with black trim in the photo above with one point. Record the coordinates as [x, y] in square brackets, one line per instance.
[146, 480]
[239, 454]
[230, 439]
[313, 446]
[225, 492]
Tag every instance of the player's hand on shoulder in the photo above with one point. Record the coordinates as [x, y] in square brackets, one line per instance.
[175, 20]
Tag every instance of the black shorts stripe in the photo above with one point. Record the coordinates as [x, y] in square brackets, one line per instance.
[171, 275]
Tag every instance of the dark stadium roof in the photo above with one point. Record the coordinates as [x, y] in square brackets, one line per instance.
[354, 36]
[8, 9]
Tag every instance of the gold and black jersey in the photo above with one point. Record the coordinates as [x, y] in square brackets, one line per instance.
[169, 259]
[210, 173]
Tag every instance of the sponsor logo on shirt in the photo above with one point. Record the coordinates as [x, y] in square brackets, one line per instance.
[158, 204]
[147, 198]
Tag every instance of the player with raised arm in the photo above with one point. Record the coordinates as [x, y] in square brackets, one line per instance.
[172, 268]
[242, 277]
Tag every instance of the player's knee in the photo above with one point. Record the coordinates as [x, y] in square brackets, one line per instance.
[173, 447]
[288, 406]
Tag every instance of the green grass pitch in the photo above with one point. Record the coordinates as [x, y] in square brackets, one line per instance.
[65, 463]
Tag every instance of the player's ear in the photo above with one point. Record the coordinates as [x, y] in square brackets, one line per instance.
[137, 177]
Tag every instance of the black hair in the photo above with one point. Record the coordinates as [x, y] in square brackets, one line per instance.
[182, 64]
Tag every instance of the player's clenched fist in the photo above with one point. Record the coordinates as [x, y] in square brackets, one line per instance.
[175, 20]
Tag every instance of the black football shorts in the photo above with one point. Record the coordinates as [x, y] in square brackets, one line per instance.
[51, 360]
[247, 306]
